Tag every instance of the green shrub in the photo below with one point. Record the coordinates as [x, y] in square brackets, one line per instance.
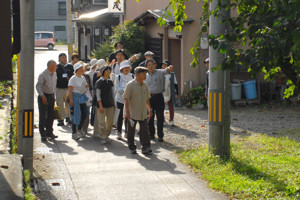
[194, 96]
[103, 50]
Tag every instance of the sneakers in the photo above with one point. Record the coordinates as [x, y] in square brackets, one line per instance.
[152, 137]
[126, 135]
[44, 139]
[60, 123]
[103, 141]
[75, 136]
[165, 123]
[147, 151]
[160, 139]
[133, 151]
[68, 121]
[171, 123]
[119, 137]
[81, 133]
[52, 136]
[108, 140]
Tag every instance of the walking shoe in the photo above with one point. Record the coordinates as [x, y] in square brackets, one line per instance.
[152, 137]
[160, 139]
[75, 136]
[96, 136]
[119, 137]
[44, 139]
[68, 121]
[81, 133]
[108, 140]
[53, 136]
[147, 151]
[165, 123]
[171, 123]
[133, 151]
[103, 141]
[60, 123]
[126, 135]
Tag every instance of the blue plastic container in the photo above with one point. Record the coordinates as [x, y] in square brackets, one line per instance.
[250, 89]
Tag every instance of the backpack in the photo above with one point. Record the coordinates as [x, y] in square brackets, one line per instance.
[120, 76]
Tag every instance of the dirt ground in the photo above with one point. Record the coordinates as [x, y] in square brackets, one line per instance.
[191, 125]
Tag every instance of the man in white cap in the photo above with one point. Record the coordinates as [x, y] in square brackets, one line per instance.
[148, 55]
[206, 62]
[93, 64]
[120, 84]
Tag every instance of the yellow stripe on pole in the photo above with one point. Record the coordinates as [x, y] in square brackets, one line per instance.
[215, 107]
[210, 107]
[220, 107]
[25, 124]
[30, 125]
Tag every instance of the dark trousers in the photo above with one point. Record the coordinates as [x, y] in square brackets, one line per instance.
[144, 135]
[46, 115]
[158, 106]
[82, 118]
[171, 110]
[120, 106]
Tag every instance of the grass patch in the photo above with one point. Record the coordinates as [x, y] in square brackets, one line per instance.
[13, 134]
[27, 189]
[260, 167]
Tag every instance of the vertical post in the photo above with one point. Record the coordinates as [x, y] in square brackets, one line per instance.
[219, 111]
[69, 30]
[121, 21]
[25, 143]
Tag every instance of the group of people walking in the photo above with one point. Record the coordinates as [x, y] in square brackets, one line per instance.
[107, 89]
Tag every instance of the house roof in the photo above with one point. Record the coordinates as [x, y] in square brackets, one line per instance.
[99, 16]
[149, 15]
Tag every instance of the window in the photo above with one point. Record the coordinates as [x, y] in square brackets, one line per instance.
[59, 28]
[46, 35]
[36, 36]
[62, 8]
[99, 1]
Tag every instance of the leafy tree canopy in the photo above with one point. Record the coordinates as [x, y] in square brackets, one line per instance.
[268, 29]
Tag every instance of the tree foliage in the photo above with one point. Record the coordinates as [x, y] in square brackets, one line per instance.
[269, 30]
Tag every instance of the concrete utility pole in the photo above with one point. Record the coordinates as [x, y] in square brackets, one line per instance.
[26, 94]
[69, 30]
[219, 92]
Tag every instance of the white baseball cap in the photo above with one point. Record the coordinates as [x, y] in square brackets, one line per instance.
[77, 66]
[93, 62]
[125, 63]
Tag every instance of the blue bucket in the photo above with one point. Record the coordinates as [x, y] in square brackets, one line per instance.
[250, 89]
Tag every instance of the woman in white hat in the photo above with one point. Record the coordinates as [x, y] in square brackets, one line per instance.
[120, 84]
[77, 89]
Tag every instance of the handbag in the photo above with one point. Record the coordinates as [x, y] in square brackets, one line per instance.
[57, 114]
[116, 115]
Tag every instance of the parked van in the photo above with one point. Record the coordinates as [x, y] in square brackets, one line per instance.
[44, 39]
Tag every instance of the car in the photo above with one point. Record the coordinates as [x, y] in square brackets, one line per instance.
[44, 39]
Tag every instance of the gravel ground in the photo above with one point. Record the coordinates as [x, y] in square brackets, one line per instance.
[191, 125]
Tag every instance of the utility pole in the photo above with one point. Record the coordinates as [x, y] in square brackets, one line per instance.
[219, 92]
[69, 30]
[26, 94]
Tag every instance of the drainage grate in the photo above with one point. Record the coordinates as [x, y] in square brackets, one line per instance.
[43, 150]
[51, 184]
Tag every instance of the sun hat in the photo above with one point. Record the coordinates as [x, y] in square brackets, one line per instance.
[206, 60]
[77, 66]
[149, 60]
[93, 62]
[166, 62]
[125, 63]
[101, 63]
[148, 53]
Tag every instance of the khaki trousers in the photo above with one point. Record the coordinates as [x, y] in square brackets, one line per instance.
[61, 95]
[96, 124]
[105, 121]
